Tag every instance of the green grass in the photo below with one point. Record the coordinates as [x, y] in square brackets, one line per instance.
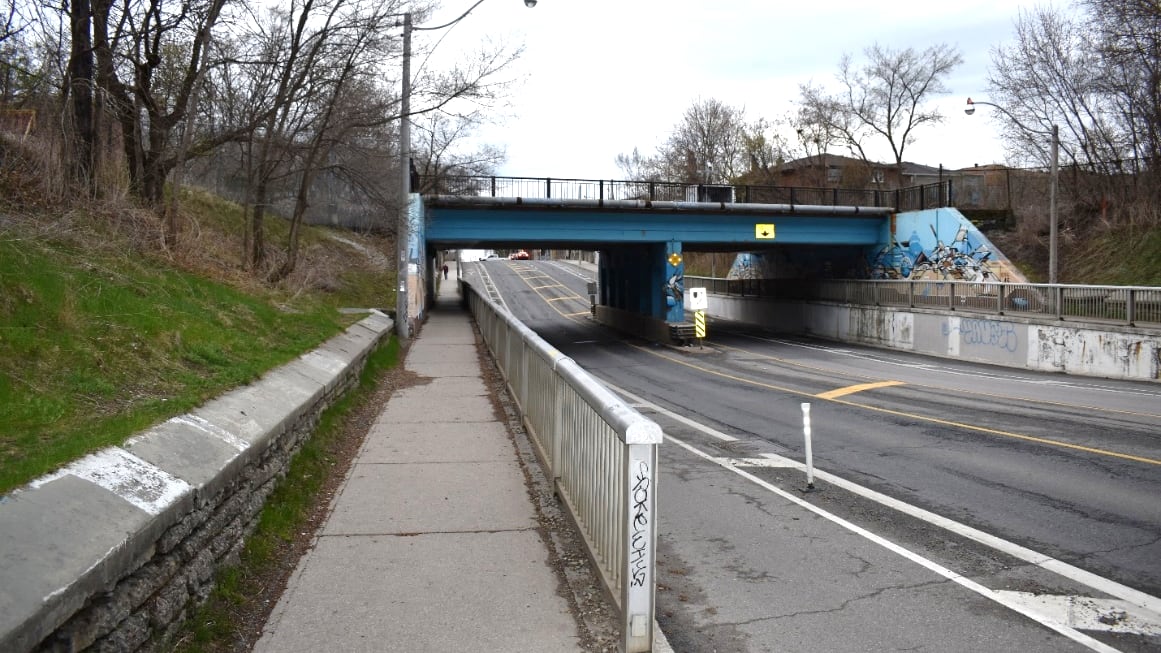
[99, 342]
[214, 625]
[1124, 256]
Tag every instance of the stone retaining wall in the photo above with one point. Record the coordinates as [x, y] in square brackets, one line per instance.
[113, 551]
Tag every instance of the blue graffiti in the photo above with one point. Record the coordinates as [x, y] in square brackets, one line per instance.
[909, 260]
[986, 333]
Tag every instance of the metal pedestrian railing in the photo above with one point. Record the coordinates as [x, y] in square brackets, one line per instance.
[1128, 305]
[600, 453]
[914, 198]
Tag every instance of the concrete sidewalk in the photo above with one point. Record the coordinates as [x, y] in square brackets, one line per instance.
[433, 542]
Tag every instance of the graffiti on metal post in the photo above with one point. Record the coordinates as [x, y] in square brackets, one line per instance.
[986, 332]
[639, 544]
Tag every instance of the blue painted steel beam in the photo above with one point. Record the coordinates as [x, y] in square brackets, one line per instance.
[454, 226]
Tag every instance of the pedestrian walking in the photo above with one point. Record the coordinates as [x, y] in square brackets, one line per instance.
[445, 270]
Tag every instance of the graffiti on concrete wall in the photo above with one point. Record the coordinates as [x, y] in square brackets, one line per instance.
[963, 258]
[986, 333]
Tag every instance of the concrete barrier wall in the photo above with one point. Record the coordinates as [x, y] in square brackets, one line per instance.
[1112, 351]
[111, 552]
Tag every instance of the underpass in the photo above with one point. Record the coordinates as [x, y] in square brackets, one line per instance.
[960, 508]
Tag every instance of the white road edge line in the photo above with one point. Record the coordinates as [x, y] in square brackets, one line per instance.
[492, 287]
[1041, 560]
[931, 565]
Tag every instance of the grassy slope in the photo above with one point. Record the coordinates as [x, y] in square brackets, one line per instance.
[102, 336]
[1124, 256]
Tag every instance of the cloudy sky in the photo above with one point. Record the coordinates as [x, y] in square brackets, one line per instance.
[600, 77]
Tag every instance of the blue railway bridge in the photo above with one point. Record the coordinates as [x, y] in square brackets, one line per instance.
[642, 230]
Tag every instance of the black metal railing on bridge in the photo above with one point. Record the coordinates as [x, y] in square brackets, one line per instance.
[915, 198]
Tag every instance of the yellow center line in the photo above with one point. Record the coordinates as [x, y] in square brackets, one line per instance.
[897, 413]
[550, 301]
[851, 389]
[930, 386]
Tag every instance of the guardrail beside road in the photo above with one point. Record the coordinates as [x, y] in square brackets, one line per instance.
[600, 453]
[1128, 305]
[1101, 331]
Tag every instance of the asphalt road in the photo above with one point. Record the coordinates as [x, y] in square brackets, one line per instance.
[953, 507]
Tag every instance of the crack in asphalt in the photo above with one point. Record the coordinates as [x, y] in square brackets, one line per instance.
[841, 607]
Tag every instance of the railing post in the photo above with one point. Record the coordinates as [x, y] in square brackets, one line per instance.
[1000, 298]
[557, 436]
[792, 193]
[1131, 307]
[951, 296]
[650, 191]
[834, 201]
[493, 186]
[601, 192]
[898, 206]
[1058, 300]
[548, 187]
[640, 542]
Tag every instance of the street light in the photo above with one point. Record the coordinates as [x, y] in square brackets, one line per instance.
[403, 228]
[1053, 176]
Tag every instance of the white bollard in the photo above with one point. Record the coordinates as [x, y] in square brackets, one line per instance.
[809, 453]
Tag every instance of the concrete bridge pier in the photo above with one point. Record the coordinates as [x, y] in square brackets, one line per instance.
[642, 288]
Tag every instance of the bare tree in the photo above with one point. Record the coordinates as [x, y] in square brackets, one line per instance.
[1048, 76]
[636, 167]
[709, 145]
[320, 77]
[19, 77]
[885, 97]
[1097, 76]
[765, 150]
[11, 22]
[133, 42]
[347, 103]
[1128, 33]
[439, 157]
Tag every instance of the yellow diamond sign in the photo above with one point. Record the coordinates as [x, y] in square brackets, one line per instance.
[674, 259]
[764, 231]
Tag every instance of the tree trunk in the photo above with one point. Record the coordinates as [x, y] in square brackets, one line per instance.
[81, 78]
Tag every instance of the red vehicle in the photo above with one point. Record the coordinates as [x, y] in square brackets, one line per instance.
[519, 255]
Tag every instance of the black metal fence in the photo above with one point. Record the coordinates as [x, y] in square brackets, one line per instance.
[915, 198]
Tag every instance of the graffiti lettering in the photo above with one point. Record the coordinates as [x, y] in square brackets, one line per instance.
[639, 541]
[988, 333]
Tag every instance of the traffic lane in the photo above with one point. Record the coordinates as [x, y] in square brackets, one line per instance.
[861, 361]
[890, 466]
[741, 569]
[1082, 427]
[1096, 512]
[539, 295]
